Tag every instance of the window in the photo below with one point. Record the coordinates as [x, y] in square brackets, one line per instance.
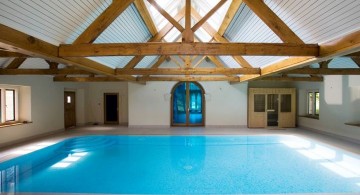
[259, 103]
[286, 103]
[9, 105]
[313, 103]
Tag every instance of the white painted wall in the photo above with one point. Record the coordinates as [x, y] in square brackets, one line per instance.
[94, 104]
[339, 104]
[47, 107]
[226, 105]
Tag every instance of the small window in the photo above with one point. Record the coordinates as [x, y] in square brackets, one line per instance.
[9, 105]
[68, 99]
[313, 103]
[285, 103]
[259, 103]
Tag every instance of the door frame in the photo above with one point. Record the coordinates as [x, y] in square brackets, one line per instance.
[117, 109]
[187, 88]
[65, 102]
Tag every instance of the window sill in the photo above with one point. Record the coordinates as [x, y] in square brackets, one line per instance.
[310, 116]
[10, 124]
[353, 124]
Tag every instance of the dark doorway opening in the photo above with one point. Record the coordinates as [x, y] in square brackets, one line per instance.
[111, 108]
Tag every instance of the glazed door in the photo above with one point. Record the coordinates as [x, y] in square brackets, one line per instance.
[272, 110]
[69, 109]
[187, 105]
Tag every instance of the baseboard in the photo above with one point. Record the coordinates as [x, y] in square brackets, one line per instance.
[28, 139]
[349, 139]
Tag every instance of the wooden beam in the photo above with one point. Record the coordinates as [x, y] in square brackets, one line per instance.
[325, 64]
[134, 49]
[199, 62]
[19, 42]
[195, 71]
[159, 36]
[326, 71]
[87, 79]
[188, 34]
[339, 47]
[52, 65]
[219, 38]
[189, 78]
[176, 62]
[166, 15]
[273, 21]
[296, 79]
[208, 15]
[356, 60]
[16, 63]
[103, 21]
[64, 71]
[234, 6]
[144, 12]
[7, 54]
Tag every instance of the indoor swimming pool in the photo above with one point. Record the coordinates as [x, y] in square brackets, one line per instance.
[184, 165]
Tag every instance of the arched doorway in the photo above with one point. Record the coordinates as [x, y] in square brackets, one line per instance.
[187, 104]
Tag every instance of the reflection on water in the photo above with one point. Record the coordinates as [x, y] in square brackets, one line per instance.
[188, 153]
[8, 179]
[334, 160]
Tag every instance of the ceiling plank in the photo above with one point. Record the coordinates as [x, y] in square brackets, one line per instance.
[208, 15]
[219, 38]
[166, 15]
[193, 71]
[103, 21]
[15, 63]
[273, 21]
[65, 71]
[234, 6]
[144, 12]
[325, 71]
[8, 54]
[188, 34]
[297, 79]
[339, 47]
[134, 49]
[19, 42]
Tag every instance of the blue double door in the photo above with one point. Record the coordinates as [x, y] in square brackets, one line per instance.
[187, 104]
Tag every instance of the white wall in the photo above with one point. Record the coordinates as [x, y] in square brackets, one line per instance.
[339, 104]
[150, 104]
[47, 107]
[94, 105]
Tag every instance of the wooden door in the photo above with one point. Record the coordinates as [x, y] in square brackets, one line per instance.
[111, 108]
[69, 109]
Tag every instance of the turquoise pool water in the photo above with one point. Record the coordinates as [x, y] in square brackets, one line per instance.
[184, 165]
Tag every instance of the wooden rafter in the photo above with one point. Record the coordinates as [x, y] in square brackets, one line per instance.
[166, 15]
[7, 54]
[64, 71]
[208, 15]
[297, 79]
[234, 6]
[144, 12]
[325, 64]
[19, 42]
[15, 63]
[219, 38]
[326, 71]
[339, 47]
[159, 36]
[103, 21]
[135, 49]
[87, 79]
[193, 71]
[219, 64]
[52, 65]
[273, 21]
[199, 62]
[356, 60]
[140, 79]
